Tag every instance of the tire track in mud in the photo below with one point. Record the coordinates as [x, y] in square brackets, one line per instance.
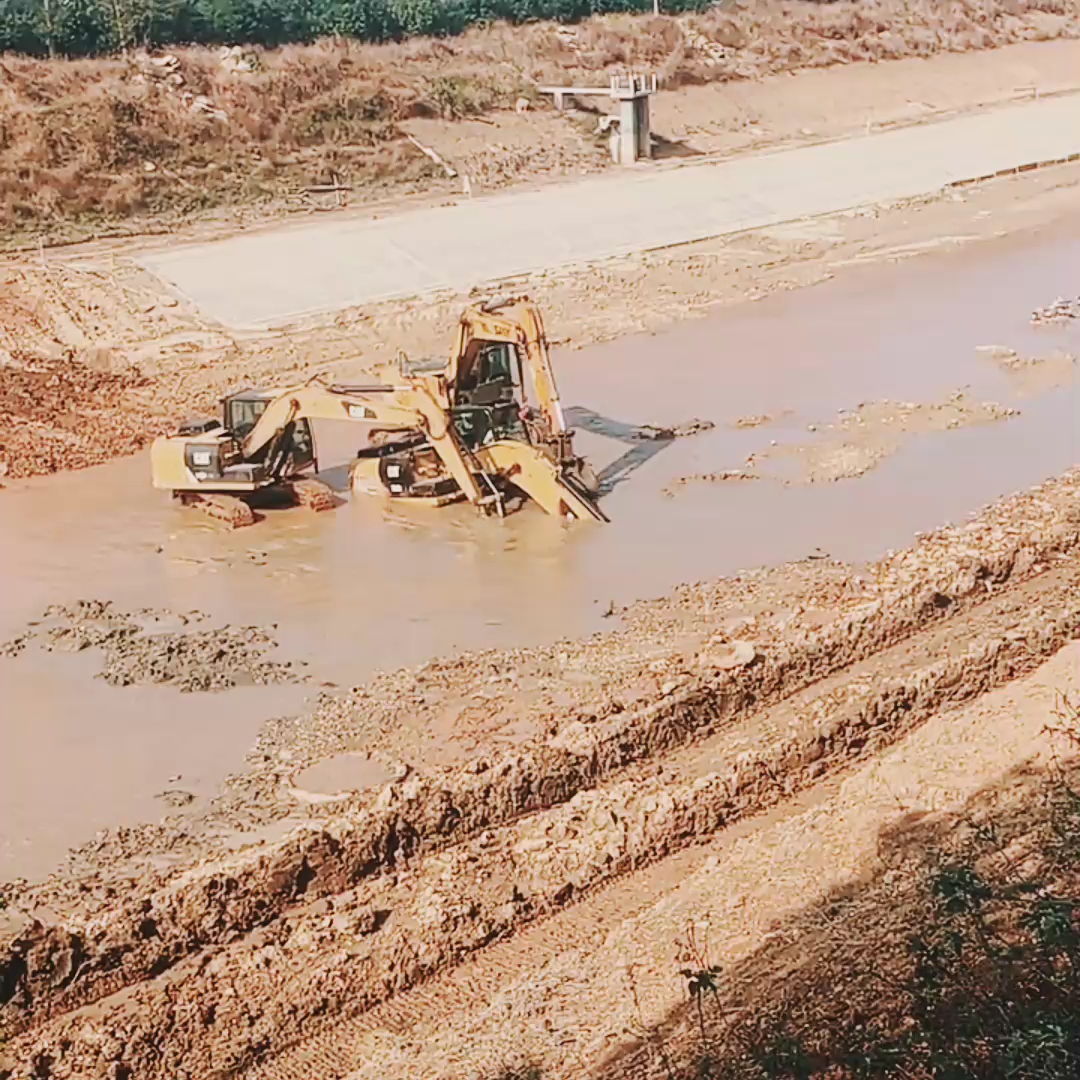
[335, 957]
[162, 920]
[868, 712]
[177, 924]
[596, 982]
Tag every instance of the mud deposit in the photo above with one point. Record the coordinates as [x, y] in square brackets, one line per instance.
[1032, 374]
[861, 439]
[60, 413]
[373, 586]
[743, 691]
[498, 728]
[136, 650]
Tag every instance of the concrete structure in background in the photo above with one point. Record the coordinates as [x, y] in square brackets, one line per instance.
[632, 92]
[268, 277]
[628, 127]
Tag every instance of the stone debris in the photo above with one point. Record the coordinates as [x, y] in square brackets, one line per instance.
[711, 52]
[1059, 311]
[660, 433]
[723, 477]
[752, 421]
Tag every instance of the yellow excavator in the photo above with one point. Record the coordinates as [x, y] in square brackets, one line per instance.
[487, 426]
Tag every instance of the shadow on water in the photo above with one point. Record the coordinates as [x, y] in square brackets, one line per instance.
[641, 449]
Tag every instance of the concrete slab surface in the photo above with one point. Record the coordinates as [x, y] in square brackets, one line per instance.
[264, 278]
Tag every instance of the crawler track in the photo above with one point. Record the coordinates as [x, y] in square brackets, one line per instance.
[231, 511]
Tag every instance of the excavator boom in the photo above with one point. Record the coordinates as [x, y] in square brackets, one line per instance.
[534, 474]
[407, 407]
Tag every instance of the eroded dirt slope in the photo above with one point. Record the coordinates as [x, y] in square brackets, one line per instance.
[651, 738]
[91, 142]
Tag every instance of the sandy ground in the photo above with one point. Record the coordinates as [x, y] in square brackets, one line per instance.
[338, 908]
[585, 988]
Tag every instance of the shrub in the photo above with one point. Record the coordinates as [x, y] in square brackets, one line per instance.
[90, 27]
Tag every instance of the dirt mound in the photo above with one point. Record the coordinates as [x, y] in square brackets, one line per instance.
[62, 414]
[136, 650]
[860, 439]
[353, 947]
[761, 638]
[91, 141]
[1060, 311]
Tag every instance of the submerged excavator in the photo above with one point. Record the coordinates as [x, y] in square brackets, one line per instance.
[486, 426]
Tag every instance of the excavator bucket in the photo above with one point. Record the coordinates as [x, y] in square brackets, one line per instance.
[538, 477]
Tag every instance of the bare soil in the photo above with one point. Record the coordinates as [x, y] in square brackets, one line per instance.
[491, 861]
[142, 647]
[90, 143]
[710, 705]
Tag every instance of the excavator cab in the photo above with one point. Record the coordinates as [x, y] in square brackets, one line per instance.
[241, 412]
[489, 397]
[493, 377]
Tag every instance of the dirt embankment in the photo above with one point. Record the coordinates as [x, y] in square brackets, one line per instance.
[230, 956]
[81, 358]
[90, 142]
[127, 360]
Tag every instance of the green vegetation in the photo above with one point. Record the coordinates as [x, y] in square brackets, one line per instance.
[91, 27]
[992, 992]
[959, 959]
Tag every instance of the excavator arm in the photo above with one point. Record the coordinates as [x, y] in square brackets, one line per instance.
[405, 407]
[548, 472]
[534, 473]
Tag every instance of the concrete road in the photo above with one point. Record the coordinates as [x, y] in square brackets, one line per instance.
[268, 277]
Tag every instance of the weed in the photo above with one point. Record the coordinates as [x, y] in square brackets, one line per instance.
[961, 961]
[89, 142]
[457, 96]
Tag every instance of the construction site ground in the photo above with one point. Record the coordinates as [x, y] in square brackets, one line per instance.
[414, 793]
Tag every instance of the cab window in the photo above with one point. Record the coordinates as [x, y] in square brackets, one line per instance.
[242, 414]
[496, 364]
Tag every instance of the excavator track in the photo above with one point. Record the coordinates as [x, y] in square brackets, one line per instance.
[313, 494]
[228, 509]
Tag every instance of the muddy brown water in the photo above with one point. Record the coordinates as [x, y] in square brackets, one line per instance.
[377, 585]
